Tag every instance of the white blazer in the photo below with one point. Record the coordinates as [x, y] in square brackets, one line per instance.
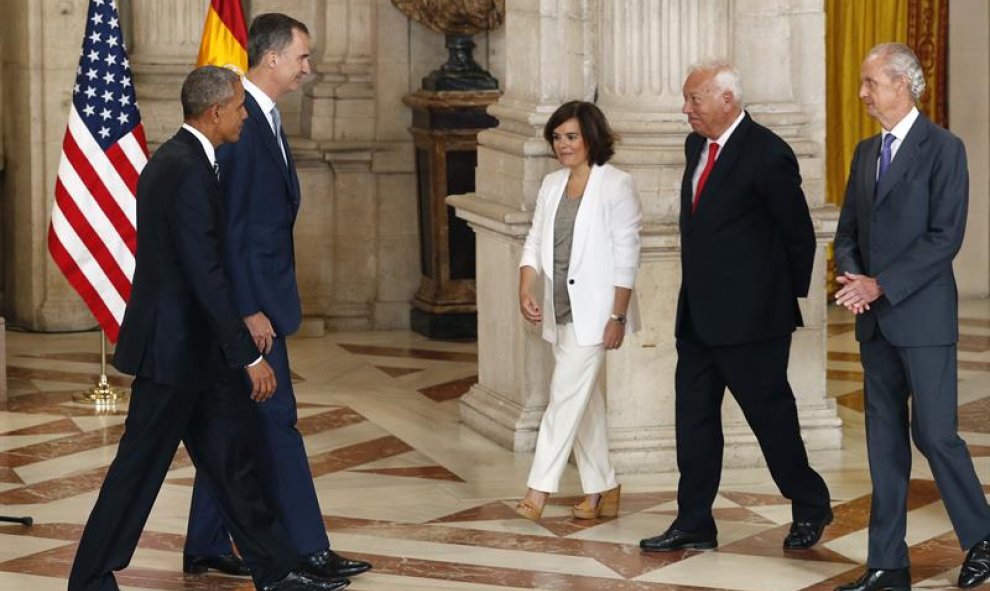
[604, 253]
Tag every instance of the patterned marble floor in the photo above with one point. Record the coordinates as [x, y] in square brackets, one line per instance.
[405, 485]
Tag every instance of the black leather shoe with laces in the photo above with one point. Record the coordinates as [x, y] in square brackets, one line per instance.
[300, 581]
[675, 539]
[879, 579]
[976, 567]
[330, 565]
[227, 564]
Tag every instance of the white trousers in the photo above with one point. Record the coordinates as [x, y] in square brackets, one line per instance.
[575, 418]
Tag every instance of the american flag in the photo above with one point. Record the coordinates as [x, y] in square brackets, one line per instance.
[93, 236]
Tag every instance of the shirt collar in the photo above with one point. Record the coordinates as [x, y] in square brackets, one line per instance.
[264, 101]
[902, 128]
[722, 139]
[211, 153]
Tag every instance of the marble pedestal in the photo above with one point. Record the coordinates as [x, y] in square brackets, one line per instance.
[445, 134]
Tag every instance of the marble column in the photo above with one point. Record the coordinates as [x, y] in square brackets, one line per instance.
[40, 44]
[647, 47]
[548, 61]
[636, 55]
[338, 112]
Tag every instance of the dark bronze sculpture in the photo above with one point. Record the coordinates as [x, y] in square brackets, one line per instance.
[458, 20]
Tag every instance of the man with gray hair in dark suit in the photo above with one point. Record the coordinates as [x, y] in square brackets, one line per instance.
[902, 223]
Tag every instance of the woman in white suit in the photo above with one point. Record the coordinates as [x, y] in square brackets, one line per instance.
[585, 242]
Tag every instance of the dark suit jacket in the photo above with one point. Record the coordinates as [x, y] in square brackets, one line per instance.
[180, 326]
[905, 233]
[748, 251]
[261, 196]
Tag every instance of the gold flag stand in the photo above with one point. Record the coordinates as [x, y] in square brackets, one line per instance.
[102, 394]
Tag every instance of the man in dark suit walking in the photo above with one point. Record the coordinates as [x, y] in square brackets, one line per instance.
[188, 351]
[901, 225]
[261, 196]
[747, 250]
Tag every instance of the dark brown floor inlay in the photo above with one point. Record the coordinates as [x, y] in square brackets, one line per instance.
[398, 372]
[449, 390]
[376, 351]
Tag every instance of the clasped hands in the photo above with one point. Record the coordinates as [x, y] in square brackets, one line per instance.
[857, 292]
[261, 374]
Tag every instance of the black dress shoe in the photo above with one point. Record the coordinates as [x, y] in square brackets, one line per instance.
[879, 579]
[228, 564]
[300, 581]
[330, 565]
[675, 539]
[805, 534]
[976, 568]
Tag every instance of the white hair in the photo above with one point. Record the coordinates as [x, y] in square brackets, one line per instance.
[726, 76]
[900, 61]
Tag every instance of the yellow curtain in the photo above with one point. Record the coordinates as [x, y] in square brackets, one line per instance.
[852, 28]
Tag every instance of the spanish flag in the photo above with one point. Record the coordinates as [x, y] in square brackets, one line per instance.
[224, 40]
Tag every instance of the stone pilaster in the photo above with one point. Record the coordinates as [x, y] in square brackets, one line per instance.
[547, 63]
[339, 105]
[162, 47]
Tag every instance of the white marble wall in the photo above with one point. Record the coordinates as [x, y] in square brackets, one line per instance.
[969, 118]
[635, 53]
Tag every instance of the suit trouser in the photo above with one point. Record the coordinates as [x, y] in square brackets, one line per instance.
[217, 429]
[926, 375]
[756, 374]
[285, 471]
[576, 418]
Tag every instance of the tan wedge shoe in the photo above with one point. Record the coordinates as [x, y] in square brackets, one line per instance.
[529, 510]
[608, 506]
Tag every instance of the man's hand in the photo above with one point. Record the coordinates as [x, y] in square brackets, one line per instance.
[262, 381]
[529, 308]
[261, 331]
[857, 292]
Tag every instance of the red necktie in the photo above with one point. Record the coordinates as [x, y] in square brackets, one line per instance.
[712, 151]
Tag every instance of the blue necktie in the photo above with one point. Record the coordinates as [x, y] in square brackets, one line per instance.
[885, 155]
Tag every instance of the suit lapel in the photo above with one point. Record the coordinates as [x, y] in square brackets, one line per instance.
[555, 193]
[724, 161]
[693, 156]
[590, 203]
[907, 153]
[868, 172]
[186, 137]
[268, 140]
[291, 169]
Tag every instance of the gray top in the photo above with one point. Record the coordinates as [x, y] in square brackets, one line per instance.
[563, 237]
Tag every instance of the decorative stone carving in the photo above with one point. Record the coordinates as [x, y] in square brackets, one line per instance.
[458, 20]
[455, 17]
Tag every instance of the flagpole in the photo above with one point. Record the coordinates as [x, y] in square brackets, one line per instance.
[102, 393]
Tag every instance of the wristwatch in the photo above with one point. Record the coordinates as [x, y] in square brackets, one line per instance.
[620, 318]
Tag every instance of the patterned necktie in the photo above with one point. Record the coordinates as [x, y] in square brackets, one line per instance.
[712, 152]
[885, 155]
[216, 170]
